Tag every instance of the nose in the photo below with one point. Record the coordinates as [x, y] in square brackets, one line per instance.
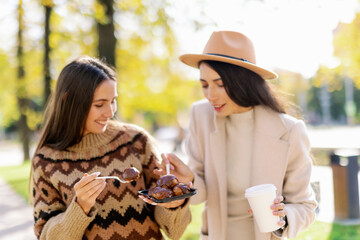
[110, 110]
[211, 93]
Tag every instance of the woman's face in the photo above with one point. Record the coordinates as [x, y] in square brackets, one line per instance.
[214, 91]
[102, 108]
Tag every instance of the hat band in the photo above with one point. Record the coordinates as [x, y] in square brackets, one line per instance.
[222, 55]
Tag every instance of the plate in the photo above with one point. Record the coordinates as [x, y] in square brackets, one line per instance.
[145, 193]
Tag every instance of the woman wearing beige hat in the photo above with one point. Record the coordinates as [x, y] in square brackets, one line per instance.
[240, 136]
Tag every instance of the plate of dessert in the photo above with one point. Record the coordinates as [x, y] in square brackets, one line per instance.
[168, 189]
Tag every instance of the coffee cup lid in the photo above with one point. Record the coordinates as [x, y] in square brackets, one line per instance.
[259, 189]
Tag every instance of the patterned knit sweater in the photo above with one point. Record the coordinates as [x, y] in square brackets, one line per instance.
[118, 212]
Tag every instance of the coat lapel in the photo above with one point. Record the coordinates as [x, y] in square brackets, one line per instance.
[269, 150]
[218, 158]
[269, 153]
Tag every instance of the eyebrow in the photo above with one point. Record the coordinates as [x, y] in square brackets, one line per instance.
[216, 79]
[103, 100]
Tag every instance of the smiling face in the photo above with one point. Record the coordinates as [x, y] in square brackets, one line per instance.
[214, 91]
[102, 108]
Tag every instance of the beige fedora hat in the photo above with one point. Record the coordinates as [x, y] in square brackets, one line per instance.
[229, 47]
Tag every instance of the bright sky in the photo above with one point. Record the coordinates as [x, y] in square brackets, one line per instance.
[295, 35]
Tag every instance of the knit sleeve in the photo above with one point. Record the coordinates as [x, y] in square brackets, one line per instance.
[172, 221]
[53, 220]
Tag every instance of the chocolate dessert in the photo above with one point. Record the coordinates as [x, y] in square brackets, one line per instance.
[180, 189]
[160, 193]
[168, 181]
[131, 174]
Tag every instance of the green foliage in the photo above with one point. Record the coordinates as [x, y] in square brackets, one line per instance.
[347, 48]
[148, 87]
[17, 177]
[151, 90]
[8, 108]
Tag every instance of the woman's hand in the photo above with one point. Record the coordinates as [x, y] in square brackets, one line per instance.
[278, 209]
[172, 204]
[177, 167]
[87, 190]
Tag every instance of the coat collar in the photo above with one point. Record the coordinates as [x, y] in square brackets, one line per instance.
[267, 122]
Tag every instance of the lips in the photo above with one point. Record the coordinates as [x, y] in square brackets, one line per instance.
[218, 107]
[101, 122]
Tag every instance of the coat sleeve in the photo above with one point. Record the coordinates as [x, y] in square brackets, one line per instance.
[195, 151]
[53, 220]
[172, 221]
[299, 198]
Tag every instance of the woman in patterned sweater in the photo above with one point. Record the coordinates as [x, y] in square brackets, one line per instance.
[79, 138]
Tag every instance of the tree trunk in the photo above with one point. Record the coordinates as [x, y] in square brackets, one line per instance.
[47, 49]
[106, 35]
[21, 91]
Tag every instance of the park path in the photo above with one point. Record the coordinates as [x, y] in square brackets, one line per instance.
[16, 220]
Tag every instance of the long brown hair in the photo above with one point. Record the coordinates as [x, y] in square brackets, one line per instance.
[245, 87]
[69, 106]
[67, 110]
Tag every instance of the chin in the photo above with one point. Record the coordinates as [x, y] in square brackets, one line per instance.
[219, 114]
[99, 130]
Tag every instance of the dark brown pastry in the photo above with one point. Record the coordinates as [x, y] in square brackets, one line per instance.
[180, 189]
[160, 193]
[131, 174]
[168, 181]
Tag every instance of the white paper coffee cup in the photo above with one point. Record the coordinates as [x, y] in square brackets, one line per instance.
[260, 198]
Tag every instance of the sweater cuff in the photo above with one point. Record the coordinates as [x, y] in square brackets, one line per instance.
[76, 221]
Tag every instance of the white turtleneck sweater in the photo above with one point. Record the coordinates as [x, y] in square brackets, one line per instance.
[239, 139]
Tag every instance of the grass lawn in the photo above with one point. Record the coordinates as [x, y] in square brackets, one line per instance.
[18, 178]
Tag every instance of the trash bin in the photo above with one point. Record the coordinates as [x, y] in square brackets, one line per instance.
[345, 167]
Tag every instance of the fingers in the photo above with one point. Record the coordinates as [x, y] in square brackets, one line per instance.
[147, 200]
[172, 204]
[164, 158]
[281, 222]
[87, 190]
[91, 188]
[85, 180]
[278, 199]
[278, 208]
[97, 190]
[174, 160]
[162, 166]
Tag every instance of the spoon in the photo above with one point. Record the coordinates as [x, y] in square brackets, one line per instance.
[167, 165]
[114, 177]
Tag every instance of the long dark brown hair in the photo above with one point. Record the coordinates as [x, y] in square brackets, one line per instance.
[245, 87]
[66, 112]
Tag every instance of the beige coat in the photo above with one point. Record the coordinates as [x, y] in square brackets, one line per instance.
[280, 156]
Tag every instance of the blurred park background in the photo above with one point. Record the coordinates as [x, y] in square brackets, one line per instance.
[314, 46]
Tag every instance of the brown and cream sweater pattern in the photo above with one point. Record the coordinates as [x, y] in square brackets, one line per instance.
[118, 212]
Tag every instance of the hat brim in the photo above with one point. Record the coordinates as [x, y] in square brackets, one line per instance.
[194, 59]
